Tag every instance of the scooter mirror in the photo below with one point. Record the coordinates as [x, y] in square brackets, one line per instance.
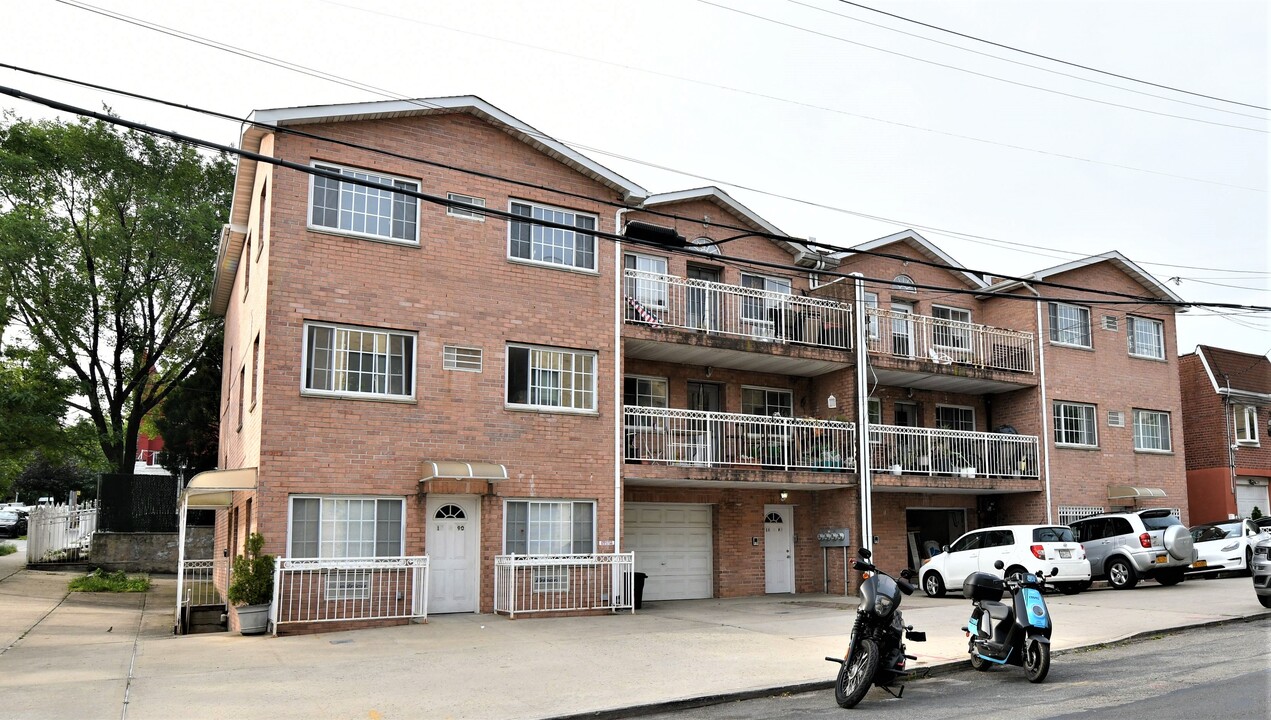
[865, 553]
[999, 564]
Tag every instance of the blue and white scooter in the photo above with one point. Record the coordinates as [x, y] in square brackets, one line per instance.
[1014, 634]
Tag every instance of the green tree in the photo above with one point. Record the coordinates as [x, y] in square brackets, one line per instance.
[56, 478]
[189, 420]
[107, 244]
[32, 403]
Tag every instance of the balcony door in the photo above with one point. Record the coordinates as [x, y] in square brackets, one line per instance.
[703, 303]
[902, 329]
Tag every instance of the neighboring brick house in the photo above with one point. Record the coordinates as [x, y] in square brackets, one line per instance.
[1227, 401]
[407, 379]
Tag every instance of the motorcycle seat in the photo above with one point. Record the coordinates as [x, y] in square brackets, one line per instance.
[996, 610]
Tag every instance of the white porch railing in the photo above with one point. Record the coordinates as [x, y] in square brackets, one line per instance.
[61, 533]
[198, 582]
[563, 583]
[669, 301]
[929, 451]
[310, 590]
[713, 439]
[948, 342]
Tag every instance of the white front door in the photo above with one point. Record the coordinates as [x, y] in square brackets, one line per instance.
[452, 541]
[778, 548]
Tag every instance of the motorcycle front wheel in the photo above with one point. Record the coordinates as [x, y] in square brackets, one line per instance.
[1036, 660]
[856, 675]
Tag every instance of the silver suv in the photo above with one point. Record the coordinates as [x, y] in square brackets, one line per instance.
[1261, 570]
[1124, 547]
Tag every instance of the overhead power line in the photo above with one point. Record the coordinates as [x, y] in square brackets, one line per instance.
[1050, 58]
[507, 215]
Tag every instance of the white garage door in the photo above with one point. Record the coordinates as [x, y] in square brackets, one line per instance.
[1250, 496]
[672, 545]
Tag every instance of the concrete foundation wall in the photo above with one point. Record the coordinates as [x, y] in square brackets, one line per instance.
[148, 552]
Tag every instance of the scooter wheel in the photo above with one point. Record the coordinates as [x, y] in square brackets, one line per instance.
[856, 675]
[1036, 660]
[980, 663]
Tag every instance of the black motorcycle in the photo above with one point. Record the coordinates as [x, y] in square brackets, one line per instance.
[876, 650]
[1017, 633]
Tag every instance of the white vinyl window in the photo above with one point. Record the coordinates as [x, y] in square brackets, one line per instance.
[361, 210]
[904, 283]
[644, 391]
[346, 527]
[360, 362]
[549, 527]
[648, 291]
[1070, 325]
[952, 327]
[767, 402]
[549, 245]
[466, 359]
[761, 307]
[551, 378]
[1075, 424]
[1246, 417]
[456, 211]
[871, 315]
[1151, 430]
[953, 417]
[1146, 338]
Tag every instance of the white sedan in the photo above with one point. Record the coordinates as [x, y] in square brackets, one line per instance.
[1224, 546]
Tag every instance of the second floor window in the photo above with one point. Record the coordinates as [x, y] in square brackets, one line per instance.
[1151, 430]
[1246, 424]
[763, 401]
[1070, 324]
[1146, 337]
[363, 362]
[952, 327]
[551, 245]
[551, 378]
[362, 210]
[1075, 424]
[950, 417]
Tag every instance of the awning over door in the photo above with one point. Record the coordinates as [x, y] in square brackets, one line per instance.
[459, 470]
[1118, 492]
[215, 488]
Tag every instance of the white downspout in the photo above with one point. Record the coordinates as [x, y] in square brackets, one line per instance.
[1044, 440]
[618, 448]
[865, 479]
[185, 510]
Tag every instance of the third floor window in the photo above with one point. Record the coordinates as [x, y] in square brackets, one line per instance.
[550, 245]
[1146, 338]
[1070, 324]
[360, 210]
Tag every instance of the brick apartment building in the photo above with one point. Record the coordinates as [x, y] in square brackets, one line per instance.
[405, 378]
[1228, 399]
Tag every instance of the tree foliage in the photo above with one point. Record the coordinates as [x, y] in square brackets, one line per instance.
[107, 245]
[55, 477]
[32, 403]
[189, 420]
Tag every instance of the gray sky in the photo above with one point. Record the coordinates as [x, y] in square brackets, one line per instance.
[782, 104]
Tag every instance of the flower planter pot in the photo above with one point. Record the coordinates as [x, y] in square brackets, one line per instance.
[253, 619]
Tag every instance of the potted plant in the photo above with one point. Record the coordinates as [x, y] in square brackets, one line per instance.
[251, 586]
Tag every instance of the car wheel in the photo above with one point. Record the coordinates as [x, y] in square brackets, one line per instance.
[933, 584]
[1121, 575]
[1265, 600]
[1170, 577]
[1248, 562]
[1071, 588]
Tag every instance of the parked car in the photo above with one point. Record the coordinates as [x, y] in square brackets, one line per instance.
[1263, 523]
[1021, 548]
[1224, 546]
[1129, 546]
[12, 523]
[1261, 570]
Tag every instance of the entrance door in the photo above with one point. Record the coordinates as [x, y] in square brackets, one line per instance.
[778, 548]
[453, 537]
[707, 398]
[703, 302]
[902, 329]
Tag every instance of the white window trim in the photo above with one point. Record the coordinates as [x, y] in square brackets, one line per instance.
[1251, 422]
[959, 407]
[1051, 330]
[554, 266]
[663, 290]
[527, 407]
[351, 233]
[1169, 431]
[965, 331]
[595, 540]
[653, 378]
[401, 541]
[1130, 322]
[473, 215]
[450, 360]
[1094, 425]
[380, 397]
[786, 391]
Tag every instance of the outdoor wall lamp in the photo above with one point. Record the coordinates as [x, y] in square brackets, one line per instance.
[784, 496]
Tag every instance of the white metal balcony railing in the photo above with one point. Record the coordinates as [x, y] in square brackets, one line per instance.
[308, 590]
[947, 342]
[669, 301]
[713, 439]
[560, 583]
[928, 451]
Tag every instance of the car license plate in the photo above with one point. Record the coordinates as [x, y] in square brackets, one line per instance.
[1200, 563]
[1065, 553]
[1162, 559]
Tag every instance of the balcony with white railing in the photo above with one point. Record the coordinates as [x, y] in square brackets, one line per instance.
[526, 584]
[948, 342]
[952, 453]
[315, 590]
[667, 301]
[694, 438]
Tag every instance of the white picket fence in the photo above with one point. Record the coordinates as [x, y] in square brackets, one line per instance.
[61, 533]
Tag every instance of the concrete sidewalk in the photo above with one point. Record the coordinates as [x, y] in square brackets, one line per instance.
[112, 656]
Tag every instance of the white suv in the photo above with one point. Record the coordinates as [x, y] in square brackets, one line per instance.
[1021, 548]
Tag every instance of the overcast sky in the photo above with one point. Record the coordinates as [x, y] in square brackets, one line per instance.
[807, 111]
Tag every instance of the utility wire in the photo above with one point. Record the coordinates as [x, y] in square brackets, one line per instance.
[384, 93]
[1050, 58]
[987, 76]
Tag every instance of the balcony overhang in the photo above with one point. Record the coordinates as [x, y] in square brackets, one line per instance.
[950, 378]
[732, 353]
[734, 479]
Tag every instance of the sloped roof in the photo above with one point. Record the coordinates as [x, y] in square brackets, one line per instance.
[1237, 372]
[924, 247]
[803, 254]
[1141, 276]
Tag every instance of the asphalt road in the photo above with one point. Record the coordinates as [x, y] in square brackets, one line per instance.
[1215, 672]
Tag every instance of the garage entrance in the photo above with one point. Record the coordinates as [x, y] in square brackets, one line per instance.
[672, 545]
[929, 530]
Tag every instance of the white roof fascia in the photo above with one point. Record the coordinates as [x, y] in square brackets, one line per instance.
[1204, 361]
[1143, 277]
[710, 192]
[925, 246]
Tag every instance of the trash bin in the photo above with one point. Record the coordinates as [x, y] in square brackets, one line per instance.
[639, 589]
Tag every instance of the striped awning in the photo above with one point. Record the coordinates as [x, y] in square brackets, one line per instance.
[1118, 492]
[461, 470]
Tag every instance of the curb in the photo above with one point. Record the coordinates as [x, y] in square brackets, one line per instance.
[918, 674]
